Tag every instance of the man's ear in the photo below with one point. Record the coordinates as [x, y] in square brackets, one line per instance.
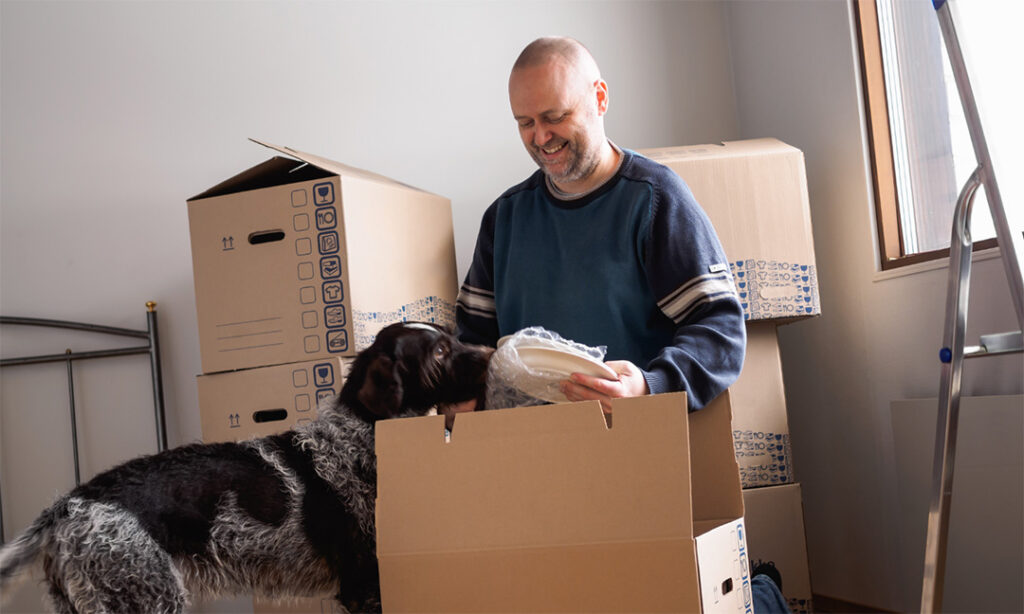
[381, 392]
[601, 90]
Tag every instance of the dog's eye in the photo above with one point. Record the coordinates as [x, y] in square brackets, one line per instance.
[440, 351]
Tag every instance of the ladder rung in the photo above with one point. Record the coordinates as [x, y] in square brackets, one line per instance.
[998, 343]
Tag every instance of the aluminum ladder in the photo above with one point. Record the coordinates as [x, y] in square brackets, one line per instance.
[1010, 234]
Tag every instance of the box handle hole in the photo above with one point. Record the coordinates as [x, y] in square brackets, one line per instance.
[269, 415]
[266, 236]
[727, 586]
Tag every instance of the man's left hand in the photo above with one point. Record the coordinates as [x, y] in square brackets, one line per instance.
[631, 383]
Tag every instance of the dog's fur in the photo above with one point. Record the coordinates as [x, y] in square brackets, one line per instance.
[283, 516]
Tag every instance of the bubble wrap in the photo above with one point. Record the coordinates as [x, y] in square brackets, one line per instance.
[511, 383]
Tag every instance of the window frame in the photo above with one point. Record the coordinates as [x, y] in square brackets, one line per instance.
[887, 210]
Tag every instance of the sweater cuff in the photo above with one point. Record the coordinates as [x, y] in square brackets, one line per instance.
[657, 383]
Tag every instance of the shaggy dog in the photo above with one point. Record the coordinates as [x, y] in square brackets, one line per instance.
[283, 516]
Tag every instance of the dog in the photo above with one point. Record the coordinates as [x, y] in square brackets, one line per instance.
[283, 516]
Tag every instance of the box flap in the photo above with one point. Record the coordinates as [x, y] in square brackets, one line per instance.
[275, 171]
[338, 168]
[557, 464]
[715, 472]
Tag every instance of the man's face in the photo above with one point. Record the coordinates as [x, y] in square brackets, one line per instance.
[559, 120]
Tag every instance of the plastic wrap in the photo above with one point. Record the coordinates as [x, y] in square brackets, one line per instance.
[512, 383]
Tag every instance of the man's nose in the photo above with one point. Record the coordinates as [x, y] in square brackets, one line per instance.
[541, 136]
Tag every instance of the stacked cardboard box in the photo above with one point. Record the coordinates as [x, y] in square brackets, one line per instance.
[298, 262]
[755, 193]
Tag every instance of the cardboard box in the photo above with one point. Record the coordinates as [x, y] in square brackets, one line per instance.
[755, 193]
[302, 258]
[256, 402]
[775, 533]
[547, 509]
[760, 424]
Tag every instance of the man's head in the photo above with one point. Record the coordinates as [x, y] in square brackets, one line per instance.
[559, 100]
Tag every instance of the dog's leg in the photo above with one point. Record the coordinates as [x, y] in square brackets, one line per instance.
[104, 561]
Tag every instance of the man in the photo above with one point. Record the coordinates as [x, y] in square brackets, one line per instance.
[605, 247]
[602, 246]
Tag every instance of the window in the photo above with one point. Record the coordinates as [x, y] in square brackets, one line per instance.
[922, 153]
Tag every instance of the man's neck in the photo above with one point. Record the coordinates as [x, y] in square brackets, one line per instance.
[606, 167]
[611, 160]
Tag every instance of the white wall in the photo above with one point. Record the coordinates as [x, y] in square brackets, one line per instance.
[113, 114]
[877, 340]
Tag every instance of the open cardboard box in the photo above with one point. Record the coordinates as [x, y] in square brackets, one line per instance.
[547, 509]
[289, 258]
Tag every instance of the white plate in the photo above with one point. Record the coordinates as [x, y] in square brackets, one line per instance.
[557, 362]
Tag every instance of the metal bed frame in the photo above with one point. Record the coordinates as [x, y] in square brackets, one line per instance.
[152, 348]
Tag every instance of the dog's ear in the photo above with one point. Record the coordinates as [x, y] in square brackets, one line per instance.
[381, 392]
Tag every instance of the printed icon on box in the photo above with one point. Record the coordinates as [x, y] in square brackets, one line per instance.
[300, 379]
[302, 402]
[326, 218]
[324, 395]
[227, 243]
[334, 316]
[298, 198]
[234, 421]
[323, 375]
[300, 222]
[305, 270]
[333, 291]
[328, 242]
[323, 193]
[337, 341]
[330, 266]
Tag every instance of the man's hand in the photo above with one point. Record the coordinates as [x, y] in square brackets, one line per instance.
[631, 383]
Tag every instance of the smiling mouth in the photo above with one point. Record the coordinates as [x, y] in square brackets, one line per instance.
[553, 150]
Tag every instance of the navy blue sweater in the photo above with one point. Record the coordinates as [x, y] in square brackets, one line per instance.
[635, 266]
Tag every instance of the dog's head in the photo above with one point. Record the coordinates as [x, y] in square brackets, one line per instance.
[411, 368]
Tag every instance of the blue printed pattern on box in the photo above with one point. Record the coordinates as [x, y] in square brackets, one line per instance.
[741, 543]
[431, 309]
[764, 458]
[800, 606]
[770, 289]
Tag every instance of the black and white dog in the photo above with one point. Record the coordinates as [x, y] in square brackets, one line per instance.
[283, 516]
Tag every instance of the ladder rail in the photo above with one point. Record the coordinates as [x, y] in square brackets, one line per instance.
[949, 398]
[1010, 237]
[952, 355]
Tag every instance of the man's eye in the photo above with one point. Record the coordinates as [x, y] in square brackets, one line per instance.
[556, 120]
[524, 125]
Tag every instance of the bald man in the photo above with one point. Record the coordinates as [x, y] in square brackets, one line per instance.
[602, 246]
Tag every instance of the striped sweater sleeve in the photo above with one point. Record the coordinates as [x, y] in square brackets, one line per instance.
[475, 314]
[687, 269]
